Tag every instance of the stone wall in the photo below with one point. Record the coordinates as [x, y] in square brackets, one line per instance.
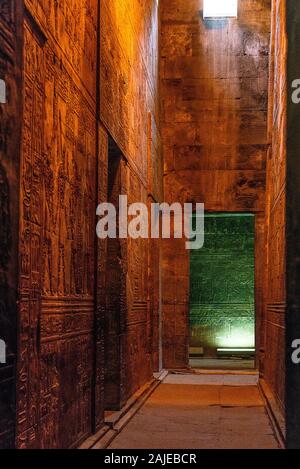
[222, 312]
[57, 230]
[90, 76]
[129, 113]
[10, 126]
[273, 365]
[292, 318]
[214, 78]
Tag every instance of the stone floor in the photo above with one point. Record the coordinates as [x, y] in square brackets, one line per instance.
[197, 416]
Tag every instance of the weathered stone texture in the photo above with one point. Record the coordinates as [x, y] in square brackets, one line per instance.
[214, 83]
[66, 276]
[129, 110]
[129, 79]
[10, 126]
[275, 280]
[57, 232]
[222, 284]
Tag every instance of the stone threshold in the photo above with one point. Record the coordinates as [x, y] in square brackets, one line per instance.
[207, 371]
[116, 421]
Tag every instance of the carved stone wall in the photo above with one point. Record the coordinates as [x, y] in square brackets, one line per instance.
[292, 318]
[275, 281]
[57, 224]
[10, 126]
[222, 285]
[69, 81]
[214, 79]
[129, 111]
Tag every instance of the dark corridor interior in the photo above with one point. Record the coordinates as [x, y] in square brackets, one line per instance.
[222, 307]
[113, 279]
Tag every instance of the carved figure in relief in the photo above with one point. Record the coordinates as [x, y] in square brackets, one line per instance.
[47, 267]
[61, 270]
[24, 253]
[49, 194]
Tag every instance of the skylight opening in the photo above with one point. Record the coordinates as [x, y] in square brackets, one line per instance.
[220, 9]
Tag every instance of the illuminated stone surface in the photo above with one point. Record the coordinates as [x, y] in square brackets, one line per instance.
[222, 285]
[214, 86]
[182, 416]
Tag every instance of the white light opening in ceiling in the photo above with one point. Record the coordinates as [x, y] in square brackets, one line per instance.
[220, 8]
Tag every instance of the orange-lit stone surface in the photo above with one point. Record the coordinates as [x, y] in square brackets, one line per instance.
[129, 112]
[75, 94]
[275, 280]
[10, 129]
[214, 84]
[185, 416]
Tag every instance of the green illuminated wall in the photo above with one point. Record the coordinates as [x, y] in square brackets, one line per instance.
[222, 313]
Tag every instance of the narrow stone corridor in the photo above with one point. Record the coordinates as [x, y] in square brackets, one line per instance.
[197, 416]
[150, 224]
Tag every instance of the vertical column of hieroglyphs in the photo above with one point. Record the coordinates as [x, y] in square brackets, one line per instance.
[10, 112]
[58, 184]
[30, 242]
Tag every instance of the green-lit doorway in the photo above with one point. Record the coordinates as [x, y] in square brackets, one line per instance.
[222, 305]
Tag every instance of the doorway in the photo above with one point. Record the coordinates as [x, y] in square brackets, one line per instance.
[222, 304]
[113, 337]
